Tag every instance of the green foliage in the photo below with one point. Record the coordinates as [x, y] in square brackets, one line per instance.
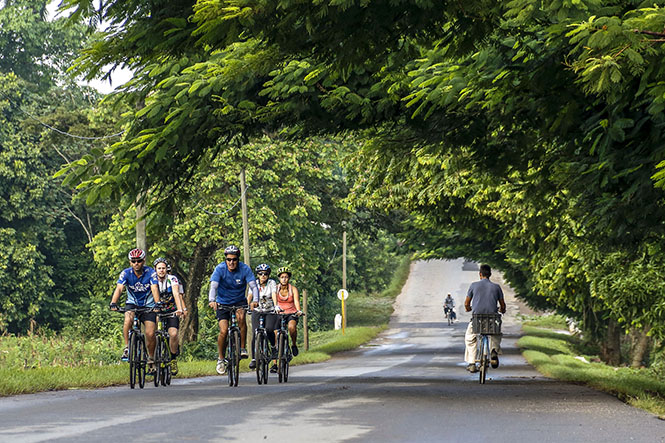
[558, 356]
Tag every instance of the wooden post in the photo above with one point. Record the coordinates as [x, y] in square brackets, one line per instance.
[305, 334]
[343, 280]
[141, 237]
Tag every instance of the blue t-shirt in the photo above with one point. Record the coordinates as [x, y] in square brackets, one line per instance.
[138, 288]
[232, 285]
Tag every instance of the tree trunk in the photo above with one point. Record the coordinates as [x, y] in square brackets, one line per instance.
[640, 347]
[611, 346]
[189, 328]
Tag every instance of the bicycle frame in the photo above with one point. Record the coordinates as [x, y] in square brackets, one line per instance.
[233, 344]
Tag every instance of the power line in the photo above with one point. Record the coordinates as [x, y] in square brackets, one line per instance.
[234, 205]
[118, 134]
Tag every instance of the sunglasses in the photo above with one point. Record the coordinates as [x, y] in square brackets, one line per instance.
[263, 273]
[231, 260]
[136, 261]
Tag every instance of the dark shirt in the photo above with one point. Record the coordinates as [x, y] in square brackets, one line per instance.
[485, 296]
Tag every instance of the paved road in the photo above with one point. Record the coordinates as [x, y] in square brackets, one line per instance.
[408, 385]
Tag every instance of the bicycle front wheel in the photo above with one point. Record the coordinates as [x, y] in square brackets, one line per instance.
[236, 360]
[260, 352]
[159, 352]
[484, 359]
[281, 357]
[142, 359]
[133, 360]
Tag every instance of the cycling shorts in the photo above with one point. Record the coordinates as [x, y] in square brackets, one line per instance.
[173, 322]
[143, 316]
[223, 314]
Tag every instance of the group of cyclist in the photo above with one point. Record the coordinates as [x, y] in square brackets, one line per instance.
[228, 288]
[158, 288]
[150, 288]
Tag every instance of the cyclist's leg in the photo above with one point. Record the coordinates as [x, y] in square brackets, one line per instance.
[471, 343]
[173, 325]
[495, 343]
[126, 326]
[272, 323]
[221, 338]
[242, 324]
[293, 330]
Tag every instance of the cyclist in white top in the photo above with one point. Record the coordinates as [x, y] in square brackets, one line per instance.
[169, 294]
[267, 292]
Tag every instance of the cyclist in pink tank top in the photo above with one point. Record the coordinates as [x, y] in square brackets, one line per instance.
[288, 302]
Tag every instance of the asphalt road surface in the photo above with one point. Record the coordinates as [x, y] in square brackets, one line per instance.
[408, 385]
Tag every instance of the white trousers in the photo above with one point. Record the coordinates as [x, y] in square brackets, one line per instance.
[471, 342]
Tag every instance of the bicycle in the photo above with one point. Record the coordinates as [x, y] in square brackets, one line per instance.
[262, 348]
[284, 355]
[163, 350]
[485, 325]
[138, 355]
[233, 344]
[450, 315]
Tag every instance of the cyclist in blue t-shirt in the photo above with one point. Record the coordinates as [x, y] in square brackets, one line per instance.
[228, 287]
[142, 291]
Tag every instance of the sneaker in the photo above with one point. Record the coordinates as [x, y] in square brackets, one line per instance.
[494, 359]
[252, 364]
[243, 353]
[221, 366]
[273, 368]
[174, 367]
[151, 368]
[294, 350]
[125, 354]
[472, 368]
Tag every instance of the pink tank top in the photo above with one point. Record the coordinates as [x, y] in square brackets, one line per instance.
[287, 304]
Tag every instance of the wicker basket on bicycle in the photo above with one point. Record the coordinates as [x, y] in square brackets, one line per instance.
[489, 324]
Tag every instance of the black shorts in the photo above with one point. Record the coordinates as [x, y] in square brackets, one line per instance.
[143, 316]
[225, 314]
[289, 317]
[172, 322]
[271, 322]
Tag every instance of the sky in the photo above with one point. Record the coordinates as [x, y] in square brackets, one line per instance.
[119, 77]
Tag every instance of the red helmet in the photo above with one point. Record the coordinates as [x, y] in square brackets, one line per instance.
[136, 254]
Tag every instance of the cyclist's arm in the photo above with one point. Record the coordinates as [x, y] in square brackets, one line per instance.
[212, 294]
[177, 296]
[116, 293]
[467, 303]
[253, 287]
[502, 305]
[155, 292]
[296, 298]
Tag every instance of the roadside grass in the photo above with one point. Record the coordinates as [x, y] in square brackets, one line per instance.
[33, 364]
[553, 321]
[558, 355]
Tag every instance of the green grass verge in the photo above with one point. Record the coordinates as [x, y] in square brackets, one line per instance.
[34, 364]
[554, 355]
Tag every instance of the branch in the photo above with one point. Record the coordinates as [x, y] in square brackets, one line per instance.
[81, 223]
[657, 34]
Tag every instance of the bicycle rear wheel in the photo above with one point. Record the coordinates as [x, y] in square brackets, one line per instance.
[133, 360]
[142, 360]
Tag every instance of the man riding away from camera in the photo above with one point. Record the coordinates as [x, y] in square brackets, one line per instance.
[482, 298]
[228, 285]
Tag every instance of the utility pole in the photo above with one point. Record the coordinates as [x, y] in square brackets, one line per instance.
[141, 237]
[343, 278]
[305, 330]
[245, 225]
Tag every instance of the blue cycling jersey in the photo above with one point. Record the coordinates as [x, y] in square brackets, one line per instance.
[138, 288]
[232, 285]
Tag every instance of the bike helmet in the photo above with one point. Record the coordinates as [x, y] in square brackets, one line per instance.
[232, 249]
[283, 270]
[263, 267]
[136, 254]
[161, 260]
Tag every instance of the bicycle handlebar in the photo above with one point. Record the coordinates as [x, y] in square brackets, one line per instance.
[138, 309]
